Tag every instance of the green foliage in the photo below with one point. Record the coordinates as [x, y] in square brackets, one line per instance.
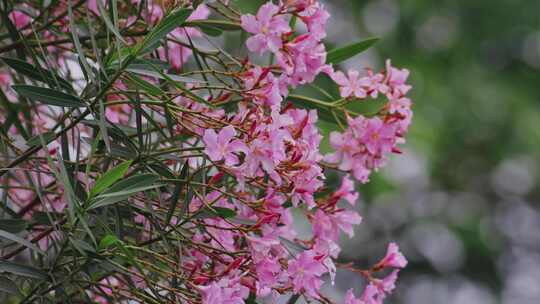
[340, 54]
[169, 23]
[36, 73]
[22, 270]
[109, 178]
[48, 96]
[17, 239]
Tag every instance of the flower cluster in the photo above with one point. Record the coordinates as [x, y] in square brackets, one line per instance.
[364, 146]
[220, 160]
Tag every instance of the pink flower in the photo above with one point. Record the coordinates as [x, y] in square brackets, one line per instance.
[225, 291]
[19, 19]
[388, 284]
[261, 246]
[305, 272]
[372, 295]
[393, 258]
[263, 86]
[200, 13]
[378, 137]
[345, 221]
[351, 85]
[375, 292]
[118, 113]
[350, 298]
[327, 226]
[345, 147]
[267, 28]
[307, 182]
[93, 6]
[303, 59]
[176, 54]
[396, 79]
[375, 84]
[223, 146]
[107, 286]
[315, 18]
[401, 106]
[346, 191]
[269, 274]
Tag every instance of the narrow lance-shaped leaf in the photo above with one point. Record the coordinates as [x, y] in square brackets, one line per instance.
[22, 270]
[214, 27]
[13, 225]
[176, 194]
[108, 22]
[213, 211]
[223, 25]
[48, 96]
[338, 55]
[36, 140]
[169, 23]
[146, 86]
[109, 178]
[124, 189]
[32, 72]
[78, 47]
[17, 239]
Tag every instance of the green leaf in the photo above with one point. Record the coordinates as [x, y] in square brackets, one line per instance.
[32, 72]
[17, 239]
[148, 64]
[214, 27]
[8, 286]
[108, 241]
[161, 75]
[169, 23]
[217, 211]
[243, 221]
[224, 212]
[222, 25]
[13, 225]
[112, 128]
[124, 189]
[22, 270]
[146, 86]
[176, 194]
[135, 181]
[48, 96]
[109, 178]
[210, 30]
[128, 192]
[36, 140]
[82, 246]
[108, 22]
[338, 55]
[87, 71]
[42, 218]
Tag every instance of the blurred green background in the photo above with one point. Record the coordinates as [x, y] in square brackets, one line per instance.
[462, 200]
